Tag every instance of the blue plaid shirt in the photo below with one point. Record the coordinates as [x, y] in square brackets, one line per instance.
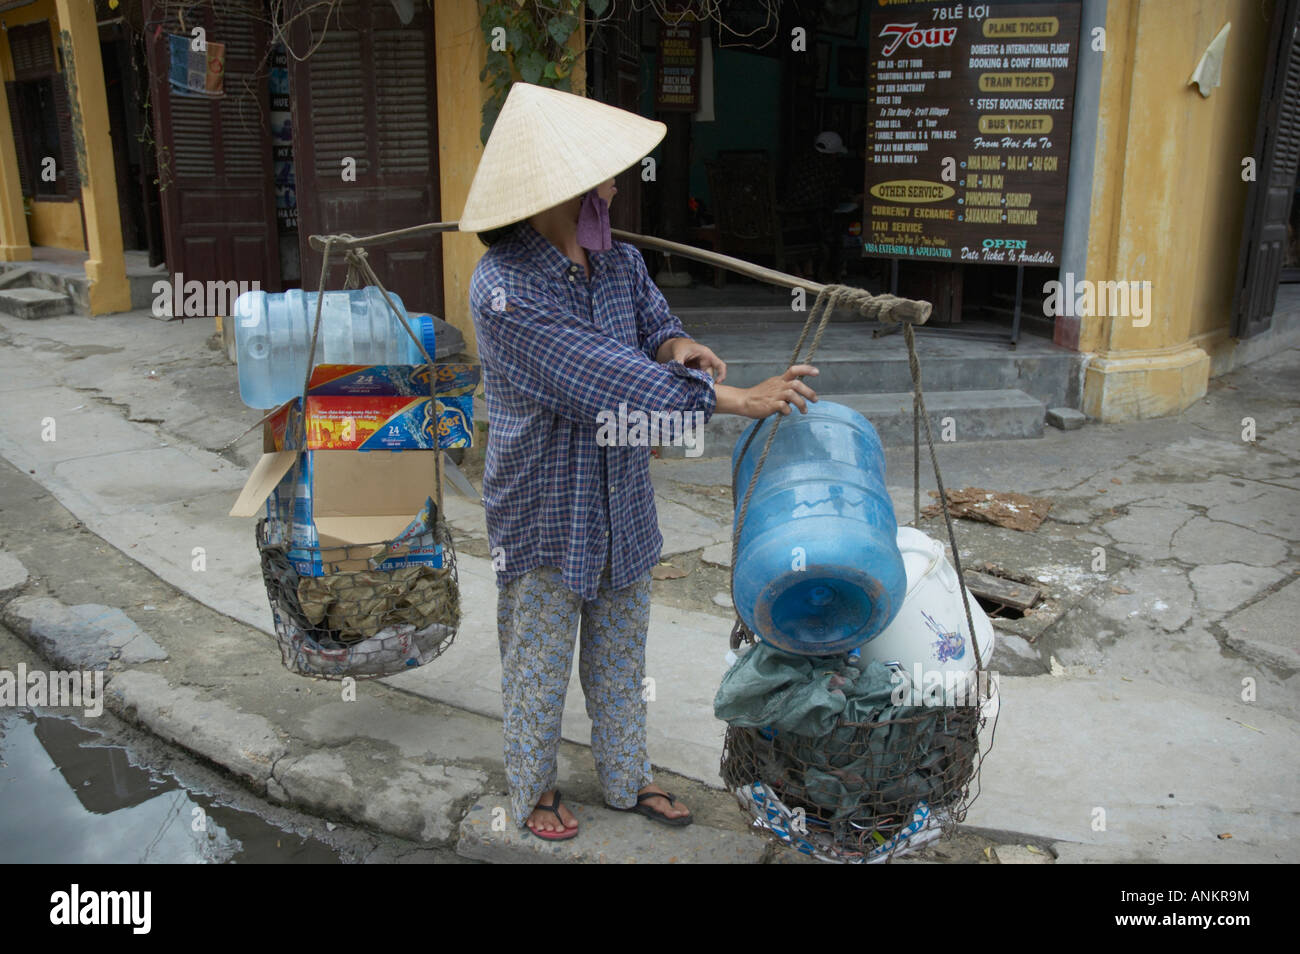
[558, 349]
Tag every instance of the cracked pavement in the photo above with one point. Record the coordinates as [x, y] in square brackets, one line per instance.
[1163, 658]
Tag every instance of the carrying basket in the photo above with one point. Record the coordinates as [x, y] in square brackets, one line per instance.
[362, 620]
[411, 626]
[866, 791]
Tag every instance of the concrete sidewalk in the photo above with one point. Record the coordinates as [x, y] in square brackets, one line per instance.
[1125, 732]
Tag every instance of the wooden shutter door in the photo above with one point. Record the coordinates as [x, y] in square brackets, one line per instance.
[214, 155]
[1268, 206]
[368, 94]
[32, 51]
[25, 179]
[67, 139]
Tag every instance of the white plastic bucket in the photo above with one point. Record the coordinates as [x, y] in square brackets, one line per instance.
[929, 634]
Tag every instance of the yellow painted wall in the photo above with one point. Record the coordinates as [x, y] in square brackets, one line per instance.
[461, 55]
[105, 265]
[21, 16]
[1168, 198]
[1225, 195]
[56, 224]
[14, 243]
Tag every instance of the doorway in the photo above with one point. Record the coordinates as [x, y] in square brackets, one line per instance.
[126, 87]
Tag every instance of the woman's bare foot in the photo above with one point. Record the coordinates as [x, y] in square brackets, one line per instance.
[660, 805]
[542, 819]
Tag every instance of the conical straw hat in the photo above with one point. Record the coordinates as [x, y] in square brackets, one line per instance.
[547, 147]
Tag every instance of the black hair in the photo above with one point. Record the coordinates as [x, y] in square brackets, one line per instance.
[490, 237]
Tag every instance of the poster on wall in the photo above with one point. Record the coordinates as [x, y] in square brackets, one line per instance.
[194, 72]
[968, 131]
[286, 198]
[677, 82]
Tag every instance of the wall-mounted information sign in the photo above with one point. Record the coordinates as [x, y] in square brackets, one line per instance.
[969, 131]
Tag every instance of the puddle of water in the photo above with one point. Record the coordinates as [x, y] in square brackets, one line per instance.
[68, 797]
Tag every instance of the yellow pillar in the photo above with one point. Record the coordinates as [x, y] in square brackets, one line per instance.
[1168, 200]
[84, 70]
[15, 246]
[461, 55]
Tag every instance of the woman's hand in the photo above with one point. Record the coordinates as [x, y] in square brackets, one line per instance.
[771, 396]
[692, 354]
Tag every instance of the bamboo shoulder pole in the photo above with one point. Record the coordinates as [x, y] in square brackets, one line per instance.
[759, 272]
[343, 242]
[906, 309]
[917, 312]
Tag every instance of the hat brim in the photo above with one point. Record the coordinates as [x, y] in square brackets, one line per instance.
[548, 147]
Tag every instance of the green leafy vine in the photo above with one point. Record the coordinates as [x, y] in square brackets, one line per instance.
[529, 40]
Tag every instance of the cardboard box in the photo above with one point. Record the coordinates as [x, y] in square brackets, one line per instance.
[381, 422]
[384, 407]
[344, 506]
[341, 510]
[451, 380]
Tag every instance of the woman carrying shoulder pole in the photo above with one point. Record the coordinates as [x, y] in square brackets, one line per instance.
[571, 329]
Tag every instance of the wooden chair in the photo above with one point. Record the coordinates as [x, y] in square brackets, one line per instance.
[750, 221]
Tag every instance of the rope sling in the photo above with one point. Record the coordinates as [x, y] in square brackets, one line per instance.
[880, 308]
[355, 622]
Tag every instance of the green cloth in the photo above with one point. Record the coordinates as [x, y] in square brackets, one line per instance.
[806, 695]
[820, 752]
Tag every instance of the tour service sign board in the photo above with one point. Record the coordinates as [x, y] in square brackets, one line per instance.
[968, 131]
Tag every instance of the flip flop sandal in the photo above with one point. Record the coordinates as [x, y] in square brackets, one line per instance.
[643, 809]
[564, 835]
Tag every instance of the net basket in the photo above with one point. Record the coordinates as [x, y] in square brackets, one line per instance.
[364, 624]
[866, 791]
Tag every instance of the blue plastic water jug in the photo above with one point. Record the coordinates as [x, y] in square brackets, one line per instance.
[818, 571]
[273, 337]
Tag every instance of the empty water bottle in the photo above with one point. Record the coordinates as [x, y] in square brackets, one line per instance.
[273, 338]
[818, 570]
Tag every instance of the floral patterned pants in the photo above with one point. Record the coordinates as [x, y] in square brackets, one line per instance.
[537, 620]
